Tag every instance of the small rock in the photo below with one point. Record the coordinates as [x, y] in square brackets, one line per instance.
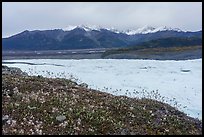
[124, 132]
[13, 70]
[8, 93]
[83, 85]
[132, 133]
[60, 118]
[39, 76]
[5, 119]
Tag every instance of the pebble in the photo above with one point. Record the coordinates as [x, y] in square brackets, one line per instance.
[5, 119]
[83, 85]
[60, 118]
[124, 132]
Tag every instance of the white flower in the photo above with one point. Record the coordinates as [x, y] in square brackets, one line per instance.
[79, 121]
[8, 121]
[40, 132]
[13, 122]
[24, 119]
[15, 90]
[131, 108]
[21, 131]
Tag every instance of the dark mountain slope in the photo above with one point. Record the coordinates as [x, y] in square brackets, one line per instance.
[79, 38]
[167, 48]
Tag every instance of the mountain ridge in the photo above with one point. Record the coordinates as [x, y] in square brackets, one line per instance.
[165, 48]
[143, 30]
[83, 37]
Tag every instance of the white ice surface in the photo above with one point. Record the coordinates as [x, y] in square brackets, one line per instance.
[125, 77]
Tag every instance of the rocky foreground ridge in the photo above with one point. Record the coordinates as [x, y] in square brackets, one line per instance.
[38, 105]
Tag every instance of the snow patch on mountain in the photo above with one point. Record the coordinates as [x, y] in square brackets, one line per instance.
[113, 30]
[165, 28]
[143, 30]
[149, 29]
[69, 28]
[84, 27]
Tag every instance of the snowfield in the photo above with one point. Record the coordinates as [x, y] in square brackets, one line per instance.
[178, 83]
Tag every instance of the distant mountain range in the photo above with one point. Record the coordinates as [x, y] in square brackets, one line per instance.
[86, 37]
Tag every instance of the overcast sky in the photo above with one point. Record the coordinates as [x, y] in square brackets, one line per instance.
[17, 17]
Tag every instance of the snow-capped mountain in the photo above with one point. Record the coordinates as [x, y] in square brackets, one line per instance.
[69, 28]
[165, 28]
[92, 36]
[91, 28]
[143, 30]
[85, 27]
[150, 29]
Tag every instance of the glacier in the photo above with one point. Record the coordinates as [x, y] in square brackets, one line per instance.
[178, 83]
